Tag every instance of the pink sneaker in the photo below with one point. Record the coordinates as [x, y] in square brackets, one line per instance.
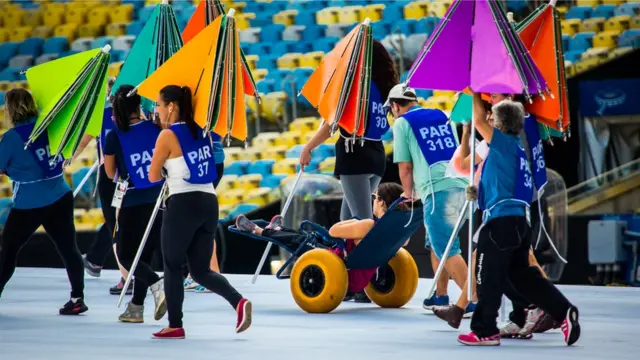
[168, 333]
[276, 223]
[570, 327]
[471, 339]
[244, 315]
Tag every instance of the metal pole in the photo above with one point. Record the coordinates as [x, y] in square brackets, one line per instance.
[472, 173]
[284, 211]
[86, 178]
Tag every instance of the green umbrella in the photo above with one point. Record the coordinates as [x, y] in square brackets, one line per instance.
[70, 93]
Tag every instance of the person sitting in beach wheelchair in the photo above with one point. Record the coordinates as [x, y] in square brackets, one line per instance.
[326, 263]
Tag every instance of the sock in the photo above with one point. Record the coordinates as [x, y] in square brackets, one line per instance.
[75, 300]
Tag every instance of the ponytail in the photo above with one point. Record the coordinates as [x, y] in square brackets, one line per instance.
[182, 96]
[124, 106]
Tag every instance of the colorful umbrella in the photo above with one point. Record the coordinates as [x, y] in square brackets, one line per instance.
[339, 88]
[159, 39]
[70, 93]
[455, 55]
[211, 66]
[206, 12]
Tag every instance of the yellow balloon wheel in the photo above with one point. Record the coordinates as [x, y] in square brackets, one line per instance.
[319, 281]
[396, 282]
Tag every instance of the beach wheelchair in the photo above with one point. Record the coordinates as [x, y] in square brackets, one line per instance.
[319, 277]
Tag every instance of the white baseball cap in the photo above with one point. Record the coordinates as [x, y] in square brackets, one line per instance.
[401, 92]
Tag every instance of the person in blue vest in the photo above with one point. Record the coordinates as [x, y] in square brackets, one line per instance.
[504, 195]
[40, 197]
[185, 152]
[423, 144]
[105, 240]
[360, 164]
[127, 159]
[218, 155]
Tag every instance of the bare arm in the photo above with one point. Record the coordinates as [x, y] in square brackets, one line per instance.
[86, 139]
[160, 155]
[110, 166]
[405, 170]
[480, 118]
[351, 230]
[321, 136]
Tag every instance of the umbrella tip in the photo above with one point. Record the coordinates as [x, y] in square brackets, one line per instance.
[165, 2]
[367, 21]
[231, 12]
[106, 49]
[553, 2]
[510, 17]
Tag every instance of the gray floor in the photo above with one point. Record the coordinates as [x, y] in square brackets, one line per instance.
[31, 329]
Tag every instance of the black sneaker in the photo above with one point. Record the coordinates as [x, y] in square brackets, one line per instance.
[117, 290]
[361, 297]
[74, 308]
[91, 269]
[348, 296]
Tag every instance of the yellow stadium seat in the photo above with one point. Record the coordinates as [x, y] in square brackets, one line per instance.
[311, 59]
[445, 93]
[259, 74]
[285, 17]
[252, 60]
[595, 25]
[259, 196]
[239, 6]
[285, 166]
[70, 31]
[77, 15]
[12, 18]
[43, 31]
[272, 106]
[225, 210]
[98, 16]
[570, 27]
[96, 216]
[232, 153]
[21, 84]
[327, 16]
[289, 138]
[618, 23]
[332, 140]
[615, 2]
[4, 35]
[20, 34]
[116, 29]
[251, 154]
[243, 21]
[587, 64]
[416, 10]
[122, 13]
[350, 14]
[232, 197]
[54, 16]
[600, 52]
[606, 39]
[265, 139]
[5, 190]
[304, 124]
[114, 68]
[439, 8]
[635, 22]
[227, 182]
[248, 182]
[562, 10]
[5, 86]
[373, 12]
[80, 216]
[289, 61]
[32, 18]
[90, 30]
[328, 164]
[620, 51]
[275, 152]
[592, 3]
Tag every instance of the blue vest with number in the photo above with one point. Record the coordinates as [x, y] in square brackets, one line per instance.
[137, 147]
[377, 123]
[107, 125]
[198, 154]
[536, 151]
[434, 135]
[40, 150]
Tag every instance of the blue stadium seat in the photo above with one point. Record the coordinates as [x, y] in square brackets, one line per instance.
[566, 39]
[145, 12]
[573, 55]
[313, 32]
[55, 45]
[5, 208]
[7, 51]
[271, 181]
[394, 12]
[1, 98]
[76, 178]
[582, 41]
[425, 94]
[278, 74]
[381, 29]
[31, 46]
[134, 27]
[282, 47]
[267, 62]
[306, 18]
[238, 167]
[310, 6]
[241, 209]
[325, 44]
[604, 11]
[294, 152]
[324, 151]
[630, 37]
[272, 33]
[262, 167]
[303, 47]
[259, 49]
[427, 25]
[407, 27]
[10, 74]
[303, 72]
[579, 12]
[187, 12]
[266, 86]
[119, 55]
[629, 8]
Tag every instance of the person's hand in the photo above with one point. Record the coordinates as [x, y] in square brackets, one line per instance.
[408, 197]
[67, 163]
[305, 157]
[466, 128]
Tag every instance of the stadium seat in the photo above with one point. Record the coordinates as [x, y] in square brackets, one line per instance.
[4, 35]
[618, 23]
[373, 12]
[122, 14]
[630, 8]
[324, 151]
[285, 17]
[590, 3]
[605, 11]
[261, 167]
[289, 138]
[98, 16]
[594, 25]
[20, 33]
[293, 33]
[258, 197]
[328, 16]
[313, 32]
[123, 42]
[54, 17]
[311, 59]
[305, 124]
[613, 2]
[82, 44]
[439, 8]
[241, 209]
[325, 44]
[337, 30]
[570, 26]
[289, 61]
[621, 51]
[55, 45]
[236, 167]
[116, 29]
[416, 10]
[90, 30]
[265, 139]
[43, 32]
[101, 42]
[251, 35]
[77, 15]
[70, 31]
[350, 14]
[32, 18]
[272, 181]
[635, 22]
[582, 41]
[272, 107]
[243, 21]
[272, 33]
[232, 196]
[630, 37]
[12, 18]
[31, 46]
[606, 39]
[599, 52]
[249, 181]
[275, 153]
[285, 166]
[134, 28]
[327, 165]
[579, 12]
[45, 57]
[4, 87]
[76, 178]
[21, 61]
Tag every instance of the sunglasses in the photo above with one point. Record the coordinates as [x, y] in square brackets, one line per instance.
[375, 197]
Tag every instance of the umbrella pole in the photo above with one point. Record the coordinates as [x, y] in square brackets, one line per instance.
[284, 211]
[86, 178]
[472, 179]
[144, 241]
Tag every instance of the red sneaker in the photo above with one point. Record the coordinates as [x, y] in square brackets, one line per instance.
[169, 333]
[244, 315]
[570, 326]
[471, 339]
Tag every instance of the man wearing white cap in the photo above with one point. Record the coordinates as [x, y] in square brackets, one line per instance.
[423, 144]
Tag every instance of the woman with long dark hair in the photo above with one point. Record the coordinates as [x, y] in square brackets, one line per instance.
[360, 166]
[40, 197]
[191, 215]
[127, 157]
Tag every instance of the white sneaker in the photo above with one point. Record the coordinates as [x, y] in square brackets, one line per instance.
[512, 331]
[533, 319]
[157, 290]
[189, 284]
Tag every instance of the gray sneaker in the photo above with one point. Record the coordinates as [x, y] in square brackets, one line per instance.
[91, 269]
[133, 314]
[276, 222]
[157, 290]
[244, 224]
[512, 331]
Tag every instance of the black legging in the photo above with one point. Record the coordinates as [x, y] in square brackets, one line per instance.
[188, 226]
[132, 223]
[104, 240]
[57, 220]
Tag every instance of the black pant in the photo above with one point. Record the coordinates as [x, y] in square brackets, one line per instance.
[57, 220]
[502, 267]
[104, 240]
[188, 226]
[132, 223]
[288, 237]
